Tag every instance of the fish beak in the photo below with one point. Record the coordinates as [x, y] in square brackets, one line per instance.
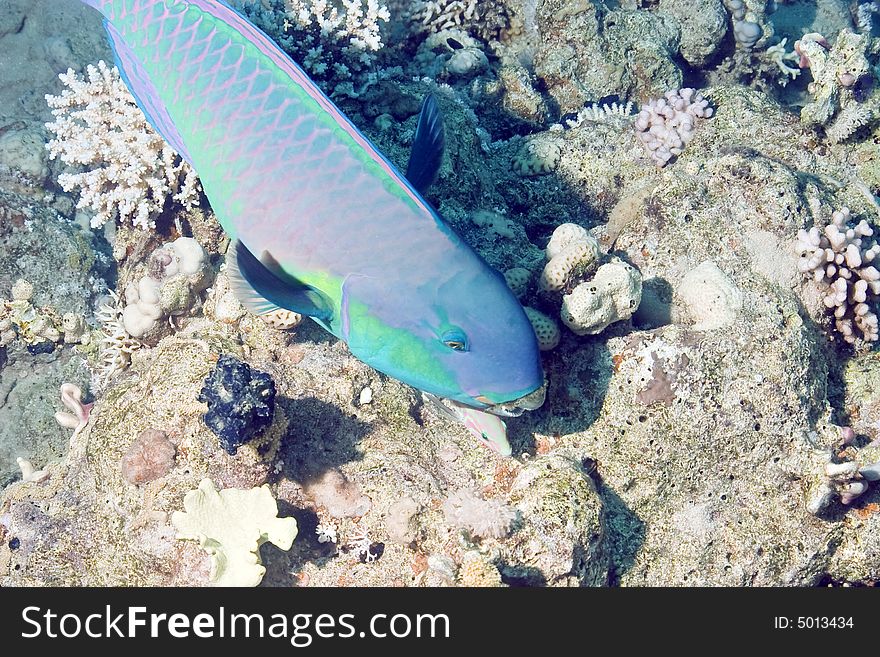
[515, 408]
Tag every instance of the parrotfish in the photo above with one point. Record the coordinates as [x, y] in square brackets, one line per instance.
[321, 222]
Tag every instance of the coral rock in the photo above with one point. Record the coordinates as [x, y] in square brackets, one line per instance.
[612, 295]
[150, 457]
[241, 402]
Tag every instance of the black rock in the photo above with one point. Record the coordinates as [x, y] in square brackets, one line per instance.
[241, 402]
[45, 347]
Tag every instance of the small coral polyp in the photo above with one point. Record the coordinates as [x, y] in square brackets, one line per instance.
[840, 259]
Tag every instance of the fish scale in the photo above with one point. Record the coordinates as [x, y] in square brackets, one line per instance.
[292, 179]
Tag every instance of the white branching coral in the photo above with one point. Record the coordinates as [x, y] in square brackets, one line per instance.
[331, 39]
[665, 125]
[483, 518]
[483, 18]
[840, 259]
[439, 15]
[787, 62]
[129, 173]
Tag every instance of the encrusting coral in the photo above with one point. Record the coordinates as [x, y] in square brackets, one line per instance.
[231, 525]
[712, 299]
[130, 171]
[839, 258]
[150, 456]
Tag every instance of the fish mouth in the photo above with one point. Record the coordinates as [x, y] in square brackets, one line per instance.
[517, 407]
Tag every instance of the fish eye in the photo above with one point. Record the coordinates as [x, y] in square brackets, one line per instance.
[455, 340]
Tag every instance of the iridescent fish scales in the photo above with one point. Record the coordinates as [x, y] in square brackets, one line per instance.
[321, 222]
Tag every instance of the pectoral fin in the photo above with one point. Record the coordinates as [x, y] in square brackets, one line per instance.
[262, 287]
[426, 155]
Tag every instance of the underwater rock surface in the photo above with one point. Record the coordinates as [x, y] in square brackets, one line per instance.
[715, 437]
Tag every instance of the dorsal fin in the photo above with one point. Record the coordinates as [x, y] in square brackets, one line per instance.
[429, 141]
[145, 94]
[263, 291]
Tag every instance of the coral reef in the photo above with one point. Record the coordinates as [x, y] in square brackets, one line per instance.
[241, 402]
[840, 260]
[231, 525]
[125, 179]
[713, 437]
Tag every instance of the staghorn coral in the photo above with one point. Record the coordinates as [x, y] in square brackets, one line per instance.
[840, 259]
[484, 18]
[482, 518]
[130, 172]
[783, 61]
[665, 125]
